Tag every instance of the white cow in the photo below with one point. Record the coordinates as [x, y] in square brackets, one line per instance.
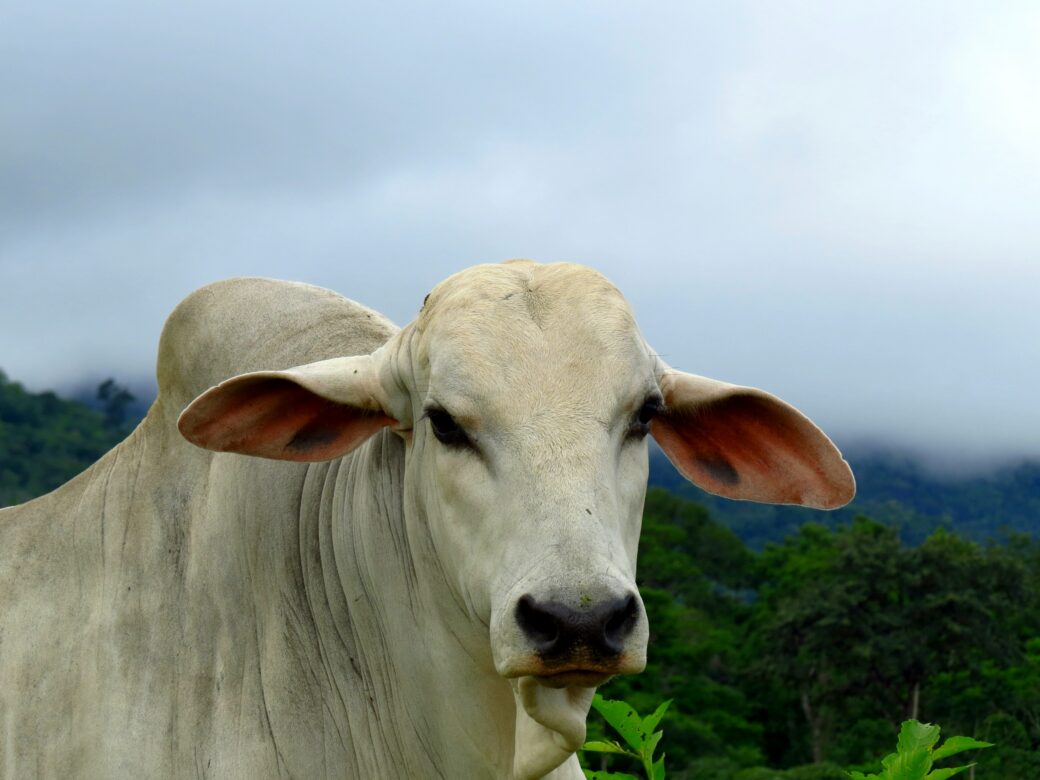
[425, 573]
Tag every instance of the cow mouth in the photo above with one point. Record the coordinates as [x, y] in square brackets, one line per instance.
[580, 672]
[574, 678]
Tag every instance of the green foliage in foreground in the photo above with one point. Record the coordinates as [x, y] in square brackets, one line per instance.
[640, 735]
[916, 752]
[915, 756]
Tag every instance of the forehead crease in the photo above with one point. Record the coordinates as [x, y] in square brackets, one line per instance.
[534, 321]
[565, 382]
[494, 333]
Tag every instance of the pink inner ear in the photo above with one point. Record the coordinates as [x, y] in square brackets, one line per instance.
[755, 447]
[272, 417]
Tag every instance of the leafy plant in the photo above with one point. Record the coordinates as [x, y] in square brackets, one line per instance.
[638, 733]
[916, 752]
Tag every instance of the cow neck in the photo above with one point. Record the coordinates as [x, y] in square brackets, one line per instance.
[402, 654]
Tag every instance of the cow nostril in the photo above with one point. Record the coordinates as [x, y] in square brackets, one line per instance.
[541, 626]
[558, 631]
[620, 623]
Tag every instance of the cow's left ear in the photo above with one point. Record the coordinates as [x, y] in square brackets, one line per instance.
[313, 412]
[744, 443]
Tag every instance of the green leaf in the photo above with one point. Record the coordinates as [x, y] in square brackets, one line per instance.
[915, 755]
[650, 721]
[609, 775]
[955, 745]
[651, 744]
[912, 765]
[607, 747]
[942, 774]
[915, 735]
[888, 760]
[624, 720]
[659, 769]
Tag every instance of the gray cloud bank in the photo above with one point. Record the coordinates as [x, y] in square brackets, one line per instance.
[836, 202]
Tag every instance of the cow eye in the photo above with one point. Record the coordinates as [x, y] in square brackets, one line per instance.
[447, 431]
[641, 424]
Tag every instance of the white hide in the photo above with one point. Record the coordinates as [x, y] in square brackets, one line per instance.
[346, 605]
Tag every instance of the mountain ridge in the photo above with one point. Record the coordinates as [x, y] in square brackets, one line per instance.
[892, 488]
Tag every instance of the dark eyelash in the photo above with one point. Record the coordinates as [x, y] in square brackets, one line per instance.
[640, 426]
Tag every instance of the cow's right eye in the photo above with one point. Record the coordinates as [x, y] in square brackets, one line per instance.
[447, 431]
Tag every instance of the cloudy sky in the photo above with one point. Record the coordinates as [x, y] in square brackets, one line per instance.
[838, 202]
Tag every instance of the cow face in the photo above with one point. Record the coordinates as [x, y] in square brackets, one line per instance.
[529, 399]
[525, 395]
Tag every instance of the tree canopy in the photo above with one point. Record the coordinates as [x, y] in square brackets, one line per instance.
[46, 440]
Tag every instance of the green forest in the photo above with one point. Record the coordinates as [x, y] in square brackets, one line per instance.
[806, 656]
[792, 643]
[46, 440]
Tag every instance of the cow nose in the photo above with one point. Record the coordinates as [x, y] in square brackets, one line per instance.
[557, 630]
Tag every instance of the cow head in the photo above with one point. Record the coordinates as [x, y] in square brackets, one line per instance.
[525, 394]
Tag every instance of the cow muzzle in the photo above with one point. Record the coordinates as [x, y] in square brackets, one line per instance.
[581, 644]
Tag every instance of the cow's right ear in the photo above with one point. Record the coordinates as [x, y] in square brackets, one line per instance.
[313, 412]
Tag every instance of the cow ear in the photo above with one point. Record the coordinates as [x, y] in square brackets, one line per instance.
[744, 443]
[314, 412]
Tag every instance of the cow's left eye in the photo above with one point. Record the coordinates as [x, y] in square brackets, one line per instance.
[641, 424]
[447, 431]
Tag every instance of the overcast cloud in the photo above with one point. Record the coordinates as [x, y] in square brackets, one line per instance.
[838, 202]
